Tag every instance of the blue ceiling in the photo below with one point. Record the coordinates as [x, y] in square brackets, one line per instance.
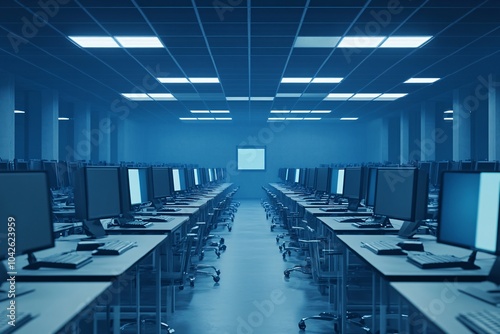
[249, 46]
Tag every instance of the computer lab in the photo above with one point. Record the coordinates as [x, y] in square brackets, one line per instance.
[249, 166]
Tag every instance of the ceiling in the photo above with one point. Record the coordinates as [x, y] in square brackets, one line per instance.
[249, 46]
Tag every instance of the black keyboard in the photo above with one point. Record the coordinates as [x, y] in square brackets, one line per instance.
[352, 220]
[334, 209]
[136, 224]
[115, 247]
[367, 224]
[71, 260]
[169, 210]
[383, 248]
[481, 322]
[158, 219]
[433, 261]
[21, 319]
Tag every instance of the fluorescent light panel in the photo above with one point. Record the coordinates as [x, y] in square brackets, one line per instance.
[296, 80]
[361, 41]
[448, 112]
[188, 118]
[316, 41]
[162, 96]
[349, 118]
[63, 118]
[300, 111]
[364, 96]
[173, 80]
[262, 98]
[275, 119]
[288, 94]
[139, 41]
[19, 112]
[312, 118]
[320, 111]
[237, 98]
[137, 96]
[219, 111]
[421, 80]
[405, 41]
[338, 96]
[390, 96]
[448, 118]
[94, 41]
[204, 80]
[327, 80]
[280, 111]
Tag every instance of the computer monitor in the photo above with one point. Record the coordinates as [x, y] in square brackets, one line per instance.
[196, 177]
[4, 166]
[35, 164]
[179, 179]
[426, 166]
[51, 168]
[486, 166]
[337, 181]
[21, 165]
[162, 183]
[297, 175]
[322, 179]
[441, 166]
[465, 165]
[25, 206]
[63, 174]
[468, 217]
[138, 186]
[371, 187]
[290, 176]
[401, 193]
[97, 196]
[211, 177]
[352, 183]
[311, 178]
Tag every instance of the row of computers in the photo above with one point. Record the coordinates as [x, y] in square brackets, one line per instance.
[436, 168]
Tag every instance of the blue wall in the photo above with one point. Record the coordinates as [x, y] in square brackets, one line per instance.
[214, 145]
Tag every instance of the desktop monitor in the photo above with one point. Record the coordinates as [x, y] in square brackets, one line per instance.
[21, 165]
[210, 176]
[440, 167]
[297, 175]
[310, 178]
[465, 165]
[162, 185]
[179, 179]
[322, 179]
[486, 166]
[4, 166]
[468, 217]
[352, 183]
[425, 165]
[138, 186]
[51, 168]
[290, 177]
[35, 164]
[337, 181]
[196, 177]
[189, 178]
[371, 187]
[26, 207]
[63, 173]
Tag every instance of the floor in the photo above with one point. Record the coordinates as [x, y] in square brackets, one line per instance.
[252, 295]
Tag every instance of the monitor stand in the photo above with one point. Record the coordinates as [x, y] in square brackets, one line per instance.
[491, 296]
[408, 229]
[94, 229]
[7, 293]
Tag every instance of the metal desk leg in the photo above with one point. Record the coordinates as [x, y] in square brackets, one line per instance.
[384, 291]
[157, 259]
[116, 309]
[138, 299]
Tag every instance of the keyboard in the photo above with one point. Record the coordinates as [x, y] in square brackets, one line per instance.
[169, 210]
[334, 209]
[433, 261]
[21, 319]
[383, 248]
[367, 224]
[71, 260]
[158, 219]
[136, 224]
[115, 247]
[481, 322]
[352, 220]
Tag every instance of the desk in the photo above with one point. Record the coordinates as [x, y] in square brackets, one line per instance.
[114, 269]
[438, 304]
[395, 268]
[59, 306]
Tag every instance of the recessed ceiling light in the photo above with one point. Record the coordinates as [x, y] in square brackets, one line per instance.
[360, 42]
[94, 41]
[204, 80]
[276, 119]
[223, 119]
[320, 111]
[390, 96]
[349, 118]
[300, 111]
[364, 96]
[338, 96]
[173, 80]
[262, 98]
[219, 111]
[137, 96]
[206, 118]
[312, 118]
[19, 112]
[139, 41]
[316, 41]
[63, 118]
[188, 118]
[288, 94]
[405, 41]
[162, 96]
[294, 118]
[237, 98]
[326, 80]
[280, 111]
[296, 80]
[421, 80]
[448, 112]
[200, 111]
[448, 118]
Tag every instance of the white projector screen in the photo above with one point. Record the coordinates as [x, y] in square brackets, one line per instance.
[251, 158]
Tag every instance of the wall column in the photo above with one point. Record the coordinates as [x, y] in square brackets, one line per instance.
[461, 127]
[50, 125]
[404, 136]
[81, 140]
[105, 127]
[493, 121]
[7, 117]
[428, 131]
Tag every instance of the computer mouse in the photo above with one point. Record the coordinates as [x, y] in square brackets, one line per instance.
[410, 245]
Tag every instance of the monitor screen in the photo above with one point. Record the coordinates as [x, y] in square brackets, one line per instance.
[352, 183]
[21, 165]
[196, 175]
[322, 179]
[297, 175]
[179, 178]
[138, 185]
[290, 176]
[465, 165]
[337, 181]
[371, 186]
[395, 193]
[311, 178]
[161, 182]
[4, 165]
[27, 207]
[468, 214]
[441, 166]
[210, 177]
[486, 166]
[97, 193]
[51, 168]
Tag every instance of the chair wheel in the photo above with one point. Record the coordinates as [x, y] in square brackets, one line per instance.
[281, 249]
[201, 257]
[277, 239]
[217, 272]
[229, 228]
[181, 287]
[286, 273]
[289, 252]
[221, 241]
[223, 247]
[216, 279]
[218, 254]
[284, 255]
[302, 325]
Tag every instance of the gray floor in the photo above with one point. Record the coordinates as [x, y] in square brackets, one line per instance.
[252, 295]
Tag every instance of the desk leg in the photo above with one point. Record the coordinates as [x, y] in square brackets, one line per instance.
[157, 259]
[383, 305]
[138, 299]
[116, 310]
[374, 300]
[343, 296]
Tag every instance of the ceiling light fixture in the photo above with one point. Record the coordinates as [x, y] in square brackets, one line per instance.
[421, 80]
[405, 41]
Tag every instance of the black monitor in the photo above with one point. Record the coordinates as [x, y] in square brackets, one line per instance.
[468, 217]
[298, 174]
[310, 178]
[211, 177]
[36, 164]
[162, 182]
[97, 196]
[371, 187]
[21, 165]
[290, 175]
[426, 166]
[323, 179]
[25, 206]
[63, 174]
[197, 177]
[179, 178]
[190, 178]
[337, 181]
[486, 166]
[4, 166]
[441, 166]
[352, 183]
[51, 168]
[138, 186]
[465, 165]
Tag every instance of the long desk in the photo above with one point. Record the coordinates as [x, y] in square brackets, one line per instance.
[60, 307]
[395, 268]
[115, 269]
